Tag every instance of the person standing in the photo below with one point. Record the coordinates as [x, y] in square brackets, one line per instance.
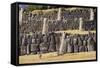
[69, 46]
[90, 44]
[52, 41]
[75, 43]
[33, 45]
[29, 41]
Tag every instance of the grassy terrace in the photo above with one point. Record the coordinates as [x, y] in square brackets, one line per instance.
[76, 31]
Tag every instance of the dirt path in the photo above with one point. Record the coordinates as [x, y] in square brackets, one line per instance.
[52, 57]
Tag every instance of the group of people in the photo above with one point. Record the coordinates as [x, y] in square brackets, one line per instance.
[33, 21]
[65, 13]
[79, 43]
[76, 13]
[37, 43]
[51, 14]
[62, 25]
[90, 25]
[31, 26]
[55, 25]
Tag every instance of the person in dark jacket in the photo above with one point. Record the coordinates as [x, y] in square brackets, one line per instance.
[33, 45]
[29, 42]
[52, 46]
[75, 43]
[69, 46]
